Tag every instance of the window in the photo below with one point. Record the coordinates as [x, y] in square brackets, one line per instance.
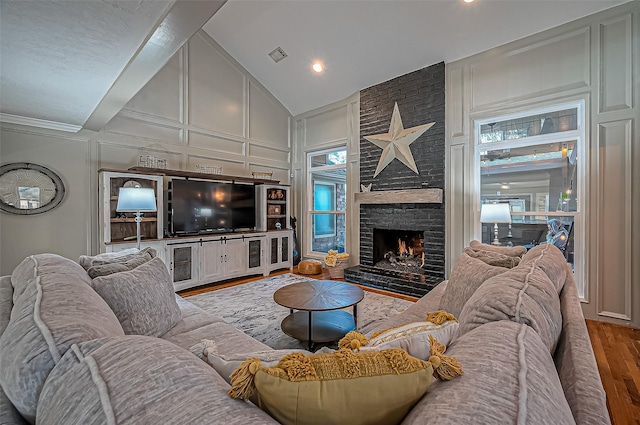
[324, 199]
[327, 200]
[535, 164]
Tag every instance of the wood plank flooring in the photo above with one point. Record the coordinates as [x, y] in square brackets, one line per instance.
[617, 351]
[616, 348]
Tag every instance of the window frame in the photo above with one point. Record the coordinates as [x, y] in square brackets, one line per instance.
[579, 216]
[310, 210]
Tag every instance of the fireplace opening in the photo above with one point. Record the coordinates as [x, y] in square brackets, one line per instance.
[400, 250]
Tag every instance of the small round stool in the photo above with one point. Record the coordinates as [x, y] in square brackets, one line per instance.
[310, 267]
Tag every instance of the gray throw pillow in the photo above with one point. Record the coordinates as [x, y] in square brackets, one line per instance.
[493, 258]
[104, 268]
[514, 251]
[466, 277]
[142, 299]
[86, 261]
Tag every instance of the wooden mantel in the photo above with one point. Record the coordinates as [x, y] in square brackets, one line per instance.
[409, 196]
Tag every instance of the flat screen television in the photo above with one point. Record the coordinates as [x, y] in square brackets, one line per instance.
[200, 206]
[243, 206]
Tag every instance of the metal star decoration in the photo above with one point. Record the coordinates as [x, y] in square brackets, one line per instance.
[395, 143]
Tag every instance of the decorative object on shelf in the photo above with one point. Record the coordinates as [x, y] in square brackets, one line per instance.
[495, 213]
[336, 263]
[150, 161]
[395, 143]
[28, 189]
[209, 169]
[262, 174]
[278, 226]
[274, 210]
[365, 189]
[136, 199]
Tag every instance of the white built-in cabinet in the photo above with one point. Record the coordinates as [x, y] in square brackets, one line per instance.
[279, 250]
[199, 260]
[194, 261]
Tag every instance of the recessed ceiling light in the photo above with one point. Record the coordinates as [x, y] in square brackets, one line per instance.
[317, 67]
[468, 1]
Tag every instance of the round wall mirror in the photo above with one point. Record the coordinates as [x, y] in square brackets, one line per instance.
[29, 188]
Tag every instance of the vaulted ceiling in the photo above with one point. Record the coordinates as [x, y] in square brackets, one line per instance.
[73, 64]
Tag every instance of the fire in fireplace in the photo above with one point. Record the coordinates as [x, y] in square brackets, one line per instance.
[399, 250]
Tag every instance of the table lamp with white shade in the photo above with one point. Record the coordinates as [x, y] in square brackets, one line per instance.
[138, 200]
[495, 213]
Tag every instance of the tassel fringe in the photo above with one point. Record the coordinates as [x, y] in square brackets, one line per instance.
[353, 341]
[445, 367]
[439, 317]
[242, 379]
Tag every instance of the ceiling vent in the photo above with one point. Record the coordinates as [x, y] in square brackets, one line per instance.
[278, 54]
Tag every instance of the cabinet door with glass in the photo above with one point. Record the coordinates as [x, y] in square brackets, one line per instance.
[183, 264]
[279, 250]
[255, 259]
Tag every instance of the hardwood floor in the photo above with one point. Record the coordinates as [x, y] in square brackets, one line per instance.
[616, 348]
[617, 351]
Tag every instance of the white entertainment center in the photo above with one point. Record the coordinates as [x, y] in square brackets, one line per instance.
[199, 259]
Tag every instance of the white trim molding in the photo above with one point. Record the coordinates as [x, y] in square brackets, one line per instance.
[35, 122]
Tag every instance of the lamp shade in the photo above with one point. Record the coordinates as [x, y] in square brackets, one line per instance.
[134, 199]
[495, 213]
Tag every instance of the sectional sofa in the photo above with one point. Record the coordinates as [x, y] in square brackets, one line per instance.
[67, 355]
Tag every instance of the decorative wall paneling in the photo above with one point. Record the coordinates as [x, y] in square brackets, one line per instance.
[615, 58]
[514, 74]
[595, 59]
[201, 108]
[614, 155]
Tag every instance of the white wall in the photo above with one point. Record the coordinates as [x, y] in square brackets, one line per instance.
[333, 125]
[595, 59]
[201, 108]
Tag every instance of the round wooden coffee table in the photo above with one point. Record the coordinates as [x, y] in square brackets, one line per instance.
[319, 318]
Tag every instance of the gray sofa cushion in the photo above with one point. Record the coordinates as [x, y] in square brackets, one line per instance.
[523, 294]
[509, 378]
[466, 277]
[550, 259]
[8, 413]
[142, 299]
[138, 380]
[56, 309]
[28, 270]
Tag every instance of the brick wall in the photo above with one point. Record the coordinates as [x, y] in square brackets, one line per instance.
[421, 100]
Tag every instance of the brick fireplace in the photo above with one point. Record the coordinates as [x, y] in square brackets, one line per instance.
[402, 205]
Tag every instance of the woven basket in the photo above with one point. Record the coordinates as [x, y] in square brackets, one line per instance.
[337, 271]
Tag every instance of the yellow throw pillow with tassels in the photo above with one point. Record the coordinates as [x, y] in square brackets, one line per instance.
[416, 338]
[338, 388]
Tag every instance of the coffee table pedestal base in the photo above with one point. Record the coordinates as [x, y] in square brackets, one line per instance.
[326, 326]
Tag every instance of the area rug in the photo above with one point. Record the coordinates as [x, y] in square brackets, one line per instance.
[250, 308]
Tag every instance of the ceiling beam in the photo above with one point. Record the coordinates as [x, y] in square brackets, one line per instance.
[182, 20]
